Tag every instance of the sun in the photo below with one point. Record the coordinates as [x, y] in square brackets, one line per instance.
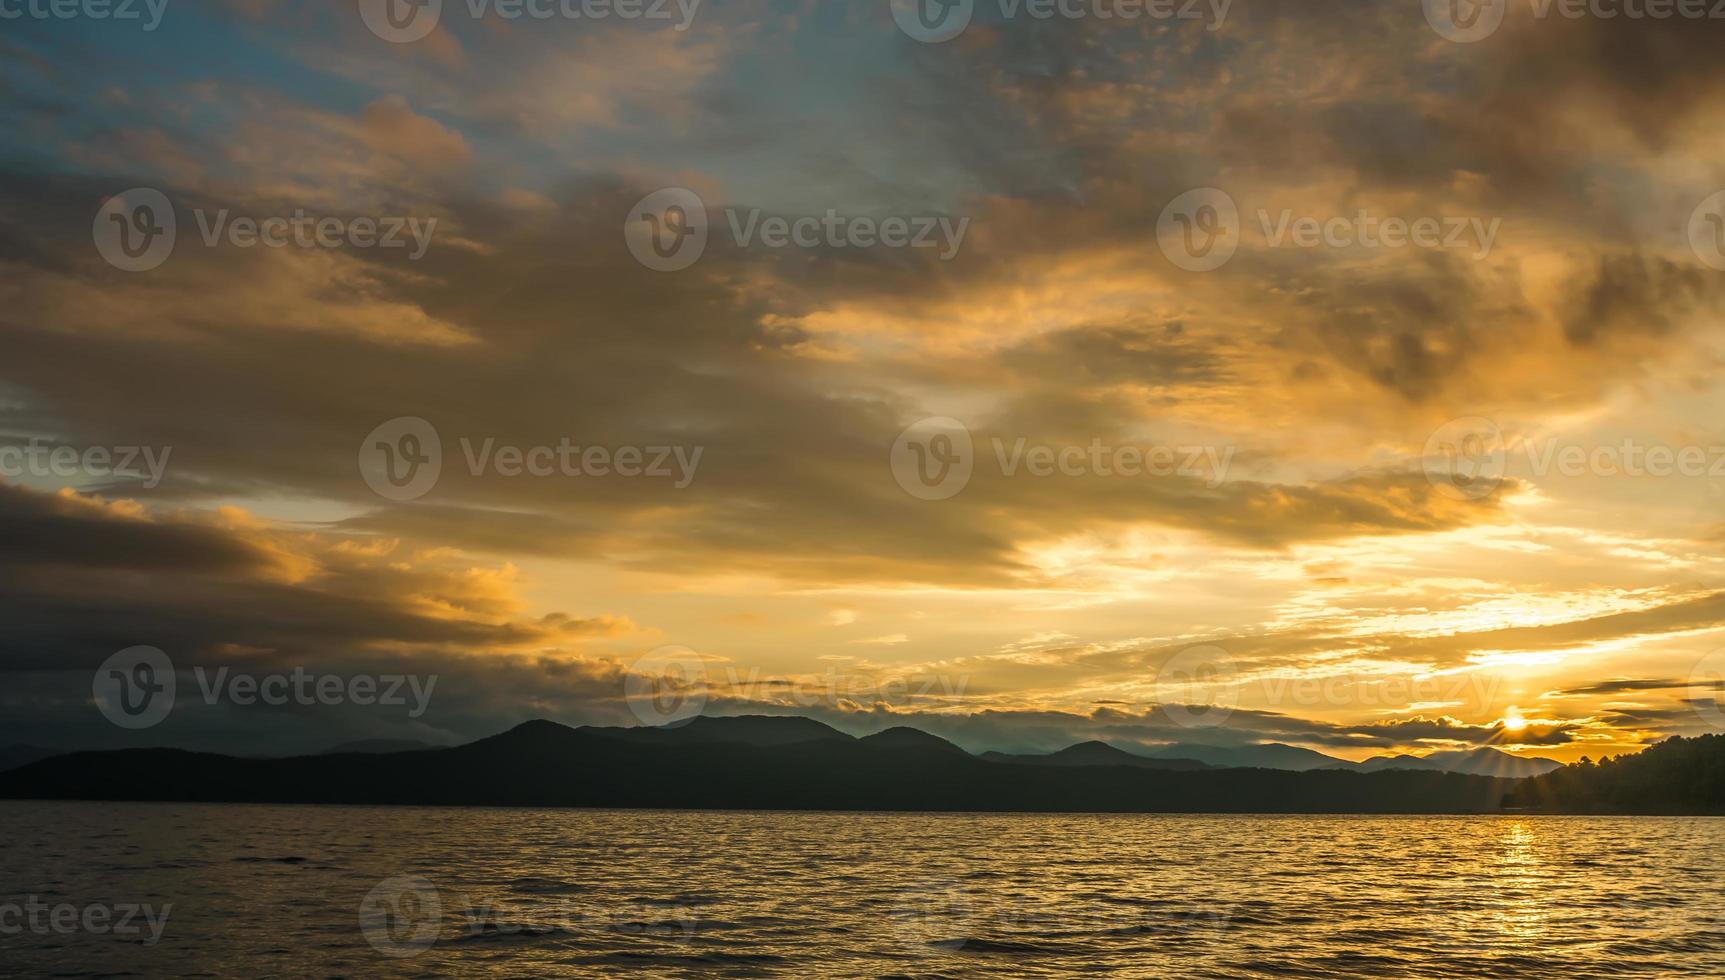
[1513, 721]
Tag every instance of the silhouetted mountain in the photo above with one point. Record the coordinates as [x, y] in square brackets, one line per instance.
[545, 764]
[909, 738]
[1488, 761]
[380, 746]
[1676, 776]
[758, 730]
[1485, 761]
[1095, 754]
[1382, 762]
[1270, 755]
[13, 756]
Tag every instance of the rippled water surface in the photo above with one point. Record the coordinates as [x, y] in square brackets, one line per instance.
[305, 891]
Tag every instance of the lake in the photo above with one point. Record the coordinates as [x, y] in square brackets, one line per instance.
[162, 889]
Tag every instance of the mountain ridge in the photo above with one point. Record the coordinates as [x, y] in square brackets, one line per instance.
[713, 766]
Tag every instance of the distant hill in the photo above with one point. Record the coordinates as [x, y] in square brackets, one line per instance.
[1271, 755]
[909, 738]
[1676, 776]
[13, 756]
[379, 746]
[759, 763]
[758, 730]
[1095, 754]
[1488, 761]
[1484, 761]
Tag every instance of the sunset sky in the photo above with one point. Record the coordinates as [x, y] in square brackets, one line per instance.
[1342, 588]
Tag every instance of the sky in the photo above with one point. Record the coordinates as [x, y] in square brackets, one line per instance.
[1345, 375]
